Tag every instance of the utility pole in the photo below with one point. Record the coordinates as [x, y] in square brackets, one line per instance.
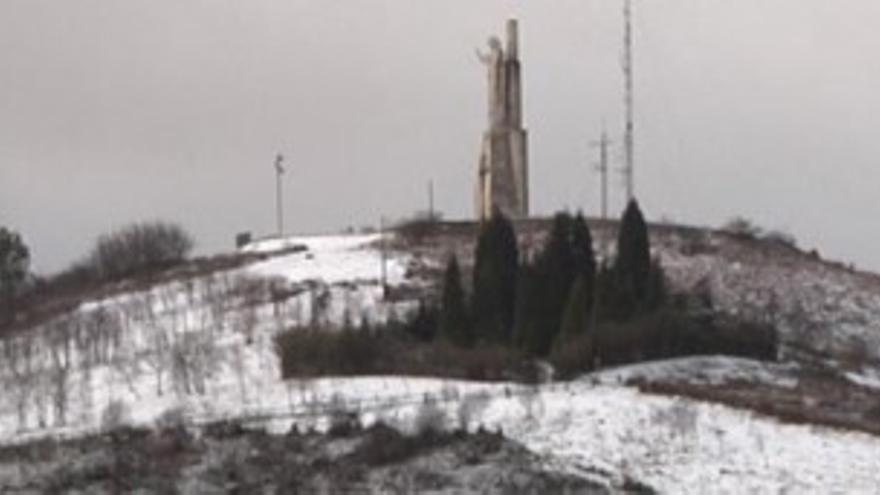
[628, 138]
[602, 168]
[279, 208]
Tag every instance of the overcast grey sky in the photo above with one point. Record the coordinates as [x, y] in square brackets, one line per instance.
[113, 111]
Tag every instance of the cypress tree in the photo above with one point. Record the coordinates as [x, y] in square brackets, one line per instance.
[14, 266]
[547, 289]
[633, 265]
[495, 277]
[454, 323]
[584, 256]
[576, 317]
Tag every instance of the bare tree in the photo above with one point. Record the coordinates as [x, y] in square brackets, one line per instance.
[19, 353]
[157, 342]
[59, 339]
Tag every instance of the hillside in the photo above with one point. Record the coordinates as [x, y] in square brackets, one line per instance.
[202, 348]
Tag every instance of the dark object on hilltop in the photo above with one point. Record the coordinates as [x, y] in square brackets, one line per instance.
[242, 239]
[455, 324]
[139, 247]
[14, 267]
[546, 285]
[495, 273]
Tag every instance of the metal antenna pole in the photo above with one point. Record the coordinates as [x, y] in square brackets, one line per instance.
[279, 208]
[629, 155]
[602, 167]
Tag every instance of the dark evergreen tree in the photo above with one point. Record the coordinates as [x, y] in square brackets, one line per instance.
[525, 305]
[454, 322]
[14, 267]
[423, 325]
[547, 289]
[584, 256]
[495, 278]
[633, 264]
[576, 317]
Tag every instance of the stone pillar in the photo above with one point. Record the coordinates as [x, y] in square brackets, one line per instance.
[503, 171]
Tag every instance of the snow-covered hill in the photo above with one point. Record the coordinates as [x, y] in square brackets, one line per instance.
[203, 348]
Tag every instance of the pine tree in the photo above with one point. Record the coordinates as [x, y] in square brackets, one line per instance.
[584, 256]
[454, 322]
[633, 265]
[495, 277]
[546, 291]
[576, 317]
[14, 266]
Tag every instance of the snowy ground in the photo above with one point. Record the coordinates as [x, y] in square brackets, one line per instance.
[205, 350]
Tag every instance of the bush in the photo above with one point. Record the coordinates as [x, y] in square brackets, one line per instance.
[172, 419]
[671, 332]
[741, 227]
[419, 227]
[781, 238]
[139, 247]
[115, 415]
[308, 352]
[574, 355]
[430, 419]
[342, 420]
[454, 322]
[14, 267]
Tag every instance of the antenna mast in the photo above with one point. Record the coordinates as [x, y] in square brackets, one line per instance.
[602, 168]
[628, 167]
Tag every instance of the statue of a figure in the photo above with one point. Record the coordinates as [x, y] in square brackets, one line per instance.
[494, 62]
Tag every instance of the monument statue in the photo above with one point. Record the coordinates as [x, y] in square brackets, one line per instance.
[502, 180]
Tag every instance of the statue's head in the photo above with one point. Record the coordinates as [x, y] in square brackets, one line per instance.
[494, 43]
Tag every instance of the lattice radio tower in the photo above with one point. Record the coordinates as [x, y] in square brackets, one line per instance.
[628, 144]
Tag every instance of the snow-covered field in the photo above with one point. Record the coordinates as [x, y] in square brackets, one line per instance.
[204, 349]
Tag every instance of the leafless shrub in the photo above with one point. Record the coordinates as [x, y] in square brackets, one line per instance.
[115, 415]
[430, 418]
[309, 352]
[780, 237]
[60, 344]
[173, 418]
[741, 227]
[20, 360]
[854, 354]
[320, 306]
[419, 227]
[342, 419]
[139, 247]
[471, 406]
[574, 356]
[680, 419]
[193, 356]
[530, 399]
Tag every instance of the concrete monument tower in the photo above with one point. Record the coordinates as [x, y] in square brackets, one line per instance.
[503, 173]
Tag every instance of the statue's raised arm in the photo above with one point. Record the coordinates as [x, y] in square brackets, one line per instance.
[484, 58]
[493, 55]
